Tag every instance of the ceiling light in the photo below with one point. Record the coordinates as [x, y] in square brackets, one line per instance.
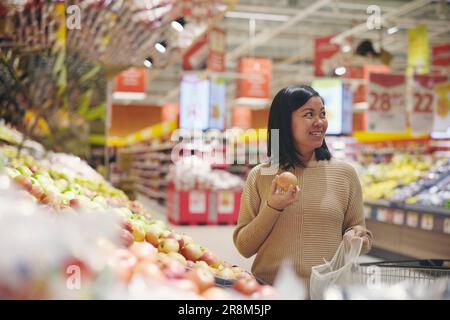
[178, 24]
[161, 46]
[148, 62]
[339, 71]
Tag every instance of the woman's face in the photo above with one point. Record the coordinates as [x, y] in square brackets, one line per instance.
[309, 124]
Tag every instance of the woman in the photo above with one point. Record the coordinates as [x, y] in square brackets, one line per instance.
[307, 223]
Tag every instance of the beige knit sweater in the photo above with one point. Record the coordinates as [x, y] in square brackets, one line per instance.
[305, 232]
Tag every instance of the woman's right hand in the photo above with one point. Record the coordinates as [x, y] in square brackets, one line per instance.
[280, 201]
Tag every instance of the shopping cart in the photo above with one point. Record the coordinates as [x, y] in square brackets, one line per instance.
[417, 272]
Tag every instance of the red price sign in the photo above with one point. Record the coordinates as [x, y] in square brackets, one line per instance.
[383, 101]
[423, 101]
[387, 110]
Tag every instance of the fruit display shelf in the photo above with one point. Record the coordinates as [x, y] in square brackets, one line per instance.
[136, 249]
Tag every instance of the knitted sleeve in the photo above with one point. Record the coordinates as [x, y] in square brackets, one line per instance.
[255, 221]
[354, 216]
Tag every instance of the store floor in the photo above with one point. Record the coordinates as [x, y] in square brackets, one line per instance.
[219, 239]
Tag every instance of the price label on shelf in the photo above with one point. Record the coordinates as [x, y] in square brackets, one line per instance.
[367, 211]
[226, 202]
[386, 99]
[447, 225]
[423, 101]
[197, 202]
[427, 222]
[382, 215]
[412, 219]
[399, 217]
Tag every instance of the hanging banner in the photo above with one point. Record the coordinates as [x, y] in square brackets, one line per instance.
[387, 110]
[217, 104]
[418, 51]
[442, 108]
[441, 55]
[440, 59]
[324, 51]
[423, 103]
[216, 54]
[131, 80]
[257, 82]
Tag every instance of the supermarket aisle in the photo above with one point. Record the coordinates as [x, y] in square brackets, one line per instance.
[217, 238]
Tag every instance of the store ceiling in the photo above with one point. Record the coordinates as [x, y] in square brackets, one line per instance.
[284, 31]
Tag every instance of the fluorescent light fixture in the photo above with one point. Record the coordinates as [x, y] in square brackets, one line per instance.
[129, 95]
[256, 16]
[177, 26]
[392, 30]
[340, 71]
[160, 47]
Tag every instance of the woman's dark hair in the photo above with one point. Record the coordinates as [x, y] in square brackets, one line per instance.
[286, 101]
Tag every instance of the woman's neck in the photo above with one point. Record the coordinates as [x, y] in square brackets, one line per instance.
[307, 156]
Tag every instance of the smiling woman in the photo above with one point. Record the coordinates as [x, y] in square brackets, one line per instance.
[306, 223]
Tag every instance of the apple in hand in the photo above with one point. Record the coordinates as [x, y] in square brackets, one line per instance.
[192, 252]
[168, 245]
[202, 277]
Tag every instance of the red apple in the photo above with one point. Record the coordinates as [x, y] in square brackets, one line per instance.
[24, 182]
[168, 245]
[192, 252]
[185, 240]
[153, 234]
[143, 250]
[202, 277]
[126, 224]
[246, 286]
[149, 270]
[173, 269]
[126, 238]
[215, 293]
[75, 203]
[210, 259]
[37, 192]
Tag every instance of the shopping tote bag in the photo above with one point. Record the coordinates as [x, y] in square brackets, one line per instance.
[338, 270]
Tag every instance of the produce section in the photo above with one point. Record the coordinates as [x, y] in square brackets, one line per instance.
[137, 245]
